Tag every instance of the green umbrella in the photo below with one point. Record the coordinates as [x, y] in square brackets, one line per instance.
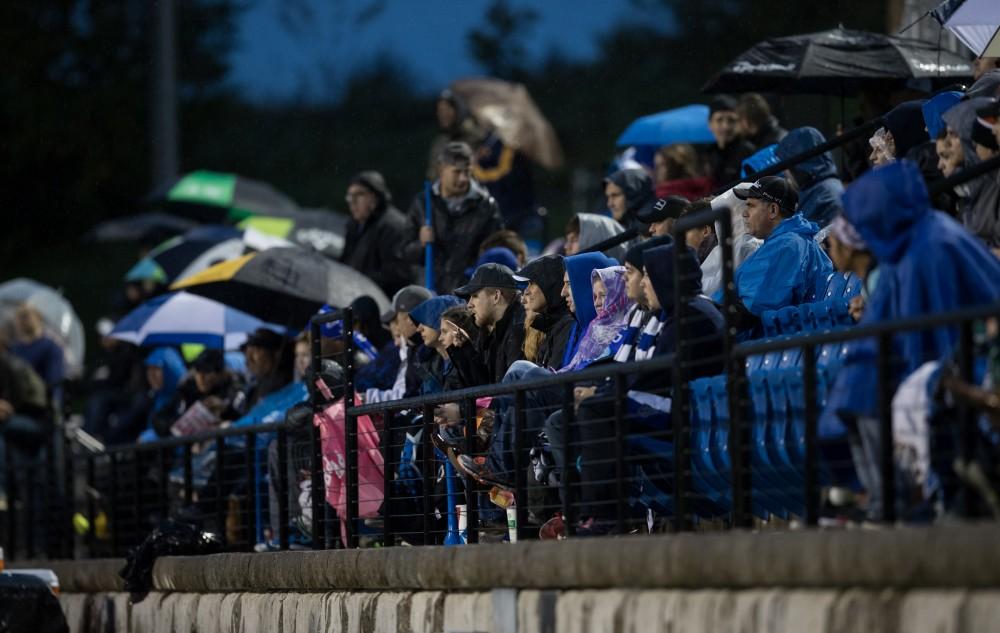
[213, 197]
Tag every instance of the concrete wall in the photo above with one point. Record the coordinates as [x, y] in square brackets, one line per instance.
[939, 580]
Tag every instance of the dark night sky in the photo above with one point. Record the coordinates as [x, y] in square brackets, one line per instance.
[309, 50]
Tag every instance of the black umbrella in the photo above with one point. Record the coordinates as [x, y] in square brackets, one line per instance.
[282, 285]
[840, 62]
[213, 197]
[318, 229]
[141, 227]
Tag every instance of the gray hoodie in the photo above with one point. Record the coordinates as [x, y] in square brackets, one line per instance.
[595, 228]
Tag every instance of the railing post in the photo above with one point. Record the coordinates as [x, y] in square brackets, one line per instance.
[520, 468]
[188, 475]
[620, 493]
[887, 464]
[569, 468]
[282, 489]
[91, 493]
[812, 453]
[472, 489]
[220, 489]
[13, 513]
[113, 513]
[164, 481]
[966, 416]
[317, 486]
[388, 539]
[679, 406]
[427, 470]
[70, 493]
[136, 496]
[351, 477]
[250, 473]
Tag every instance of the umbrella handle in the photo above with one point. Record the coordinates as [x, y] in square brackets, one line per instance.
[429, 247]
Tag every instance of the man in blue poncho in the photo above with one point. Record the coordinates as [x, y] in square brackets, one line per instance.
[789, 266]
[819, 185]
[929, 264]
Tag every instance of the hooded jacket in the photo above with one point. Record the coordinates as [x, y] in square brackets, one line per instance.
[638, 188]
[595, 228]
[935, 107]
[724, 163]
[979, 198]
[703, 323]
[768, 134]
[579, 269]
[505, 344]
[906, 122]
[375, 247]
[786, 270]
[605, 326]
[820, 188]
[556, 322]
[928, 264]
[457, 233]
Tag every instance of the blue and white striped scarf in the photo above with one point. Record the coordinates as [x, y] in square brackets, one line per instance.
[636, 336]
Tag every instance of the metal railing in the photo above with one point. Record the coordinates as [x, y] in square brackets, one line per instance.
[651, 460]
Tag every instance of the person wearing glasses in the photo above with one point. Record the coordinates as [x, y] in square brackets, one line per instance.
[789, 266]
[376, 233]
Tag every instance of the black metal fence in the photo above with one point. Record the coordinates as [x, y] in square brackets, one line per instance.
[676, 442]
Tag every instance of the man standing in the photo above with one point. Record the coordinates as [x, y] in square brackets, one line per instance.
[789, 266]
[725, 158]
[464, 214]
[376, 233]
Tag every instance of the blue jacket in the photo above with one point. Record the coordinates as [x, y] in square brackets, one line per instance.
[928, 264]
[819, 185]
[578, 269]
[786, 270]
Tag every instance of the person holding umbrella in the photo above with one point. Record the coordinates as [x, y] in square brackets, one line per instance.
[375, 234]
[463, 214]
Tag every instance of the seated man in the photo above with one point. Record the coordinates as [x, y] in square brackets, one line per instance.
[210, 384]
[493, 300]
[789, 266]
[702, 334]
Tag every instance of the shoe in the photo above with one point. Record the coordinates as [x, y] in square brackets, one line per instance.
[476, 468]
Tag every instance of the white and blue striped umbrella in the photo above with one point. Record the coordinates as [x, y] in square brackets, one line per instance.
[181, 317]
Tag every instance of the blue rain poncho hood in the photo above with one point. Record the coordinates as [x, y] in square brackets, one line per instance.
[819, 184]
[928, 264]
[935, 107]
[579, 269]
[170, 362]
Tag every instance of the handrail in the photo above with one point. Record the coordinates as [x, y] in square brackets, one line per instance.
[172, 442]
[966, 175]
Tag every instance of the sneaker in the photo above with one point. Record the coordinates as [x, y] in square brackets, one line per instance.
[476, 468]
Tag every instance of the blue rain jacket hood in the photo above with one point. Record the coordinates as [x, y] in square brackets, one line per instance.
[928, 264]
[429, 312]
[169, 360]
[659, 264]
[578, 269]
[788, 268]
[819, 184]
[936, 106]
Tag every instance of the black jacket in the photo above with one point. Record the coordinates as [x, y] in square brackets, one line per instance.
[768, 134]
[556, 322]
[187, 394]
[457, 234]
[724, 164]
[375, 249]
[505, 344]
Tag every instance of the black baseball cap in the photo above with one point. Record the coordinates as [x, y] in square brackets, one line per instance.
[488, 276]
[770, 189]
[669, 207]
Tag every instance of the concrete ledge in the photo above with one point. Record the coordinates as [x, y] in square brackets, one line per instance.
[940, 557]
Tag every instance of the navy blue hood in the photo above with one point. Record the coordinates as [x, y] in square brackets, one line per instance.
[906, 122]
[659, 263]
[806, 173]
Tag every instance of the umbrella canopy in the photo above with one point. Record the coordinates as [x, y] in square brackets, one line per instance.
[179, 318]
[209, 196]
[317, 229]
[688, 124]
[976, 23]
[61, 321]
[838, 62]
[152, 226]
[198, 249]
[509, 109]
[282, 285]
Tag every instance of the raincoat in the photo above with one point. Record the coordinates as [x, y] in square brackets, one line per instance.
[639, 194]
[786, 270]
[744, 244]
[556, 322]
[170, 362]
[820, 188]
[579, 269]
[928, 264]
[606, 325]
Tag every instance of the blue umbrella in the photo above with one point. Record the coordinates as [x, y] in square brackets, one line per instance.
[178, 318]
[688, 124]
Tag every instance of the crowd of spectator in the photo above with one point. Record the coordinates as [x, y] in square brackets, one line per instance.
[499, 312]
